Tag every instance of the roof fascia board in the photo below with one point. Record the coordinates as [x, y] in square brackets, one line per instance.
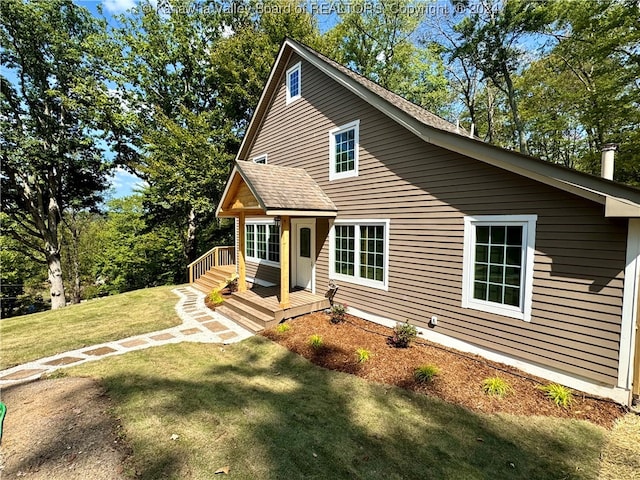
[303, 213]
[619, 207]
[226, 190]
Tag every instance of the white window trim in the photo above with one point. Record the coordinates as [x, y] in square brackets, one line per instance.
[260, 157]
[290, 99]
[523, 312]
[261, 261]
[356, 279]
[333, 175]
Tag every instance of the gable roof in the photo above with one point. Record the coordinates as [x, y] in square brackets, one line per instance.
[619, 200]
[298, 195]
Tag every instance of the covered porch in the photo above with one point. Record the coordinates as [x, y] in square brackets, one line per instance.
[282, 194]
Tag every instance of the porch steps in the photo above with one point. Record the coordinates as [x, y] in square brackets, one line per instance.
[243, 316]
[212, 279]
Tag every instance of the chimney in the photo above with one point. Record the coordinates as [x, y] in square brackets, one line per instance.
[608, 160]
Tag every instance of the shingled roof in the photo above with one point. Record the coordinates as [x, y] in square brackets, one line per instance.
[419, 113]
[282, 190]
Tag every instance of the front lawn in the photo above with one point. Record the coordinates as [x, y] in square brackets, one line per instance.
[267, 413]
[30, 337]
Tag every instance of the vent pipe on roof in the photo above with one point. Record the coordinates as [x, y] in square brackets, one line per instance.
[472, 129]
[608, 160]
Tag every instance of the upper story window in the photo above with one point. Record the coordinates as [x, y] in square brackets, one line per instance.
[262, 242]
[343, 151]
[498, 264]
[294, 83]
[260, 159]
[359, 252]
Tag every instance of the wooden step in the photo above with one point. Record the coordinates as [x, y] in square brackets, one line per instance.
[215, 276]
[232, 315]
[250, 301]
[203, 288]
[207, 282]
[248, 311]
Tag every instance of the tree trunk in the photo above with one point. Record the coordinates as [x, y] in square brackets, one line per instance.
[190, 241]
[55, 280]
[522, 139]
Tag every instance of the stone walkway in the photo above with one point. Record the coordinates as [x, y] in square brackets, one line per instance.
[199, 324]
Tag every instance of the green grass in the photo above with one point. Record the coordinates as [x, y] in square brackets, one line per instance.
[39, 335]
[270, 414]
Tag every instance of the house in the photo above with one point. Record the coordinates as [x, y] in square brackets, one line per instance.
[485, 250]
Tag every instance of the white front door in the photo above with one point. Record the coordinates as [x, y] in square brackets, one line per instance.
[304, 246]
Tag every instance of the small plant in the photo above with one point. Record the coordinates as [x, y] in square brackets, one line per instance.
[363, 355]
[283, 328]
[559, 394]
[425, 373]
[403, 334]
[496, 387]
[338, 311]
[315, 341]
[215, 297]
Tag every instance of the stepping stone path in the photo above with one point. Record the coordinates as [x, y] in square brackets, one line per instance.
[199, 324]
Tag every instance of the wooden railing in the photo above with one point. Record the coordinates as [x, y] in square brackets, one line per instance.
[215, 257]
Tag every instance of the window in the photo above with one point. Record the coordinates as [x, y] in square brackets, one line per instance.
[262, 242]
[498, 264]
[260, 159]
[294, 85]
[305, 242]
[359, 252]
[343, 151]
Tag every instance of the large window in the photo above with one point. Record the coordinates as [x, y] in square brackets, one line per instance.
[359, 252]
[343, 151]
[498, 264]
[262, 242]
[294, 84]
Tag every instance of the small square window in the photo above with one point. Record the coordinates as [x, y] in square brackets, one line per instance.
[294, 83]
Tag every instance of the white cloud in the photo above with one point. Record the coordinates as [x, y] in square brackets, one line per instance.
[124, 183]
[119, 6]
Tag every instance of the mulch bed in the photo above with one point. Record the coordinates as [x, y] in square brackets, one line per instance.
[460, 378]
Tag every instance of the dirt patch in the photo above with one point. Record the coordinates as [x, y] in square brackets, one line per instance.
[60, 429]
[460, 378]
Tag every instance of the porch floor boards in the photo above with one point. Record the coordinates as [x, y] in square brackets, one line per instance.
[259, 307]
[268, 298]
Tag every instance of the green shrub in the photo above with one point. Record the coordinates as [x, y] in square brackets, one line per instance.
[315, 341]
[363, 355]
[559, 394]
[403, 334]
[425, 373]
[215, 297]
[283, 328]
[496, 387]
[338, 311]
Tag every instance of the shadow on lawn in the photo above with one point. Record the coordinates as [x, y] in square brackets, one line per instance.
[277, 416]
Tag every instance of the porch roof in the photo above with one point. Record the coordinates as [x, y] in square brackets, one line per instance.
[256, 189]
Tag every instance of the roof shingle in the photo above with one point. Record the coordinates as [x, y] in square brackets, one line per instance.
[284, 188]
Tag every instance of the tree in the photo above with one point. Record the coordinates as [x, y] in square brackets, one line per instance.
[376, 39]
[490, 40]
[131, 255]
[193, 77]
[50, 156]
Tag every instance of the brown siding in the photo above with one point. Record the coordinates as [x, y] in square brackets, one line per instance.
[426, 191]
[263, 272]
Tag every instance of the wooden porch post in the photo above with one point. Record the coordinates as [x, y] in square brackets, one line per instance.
[242, 269]
[285, 227]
